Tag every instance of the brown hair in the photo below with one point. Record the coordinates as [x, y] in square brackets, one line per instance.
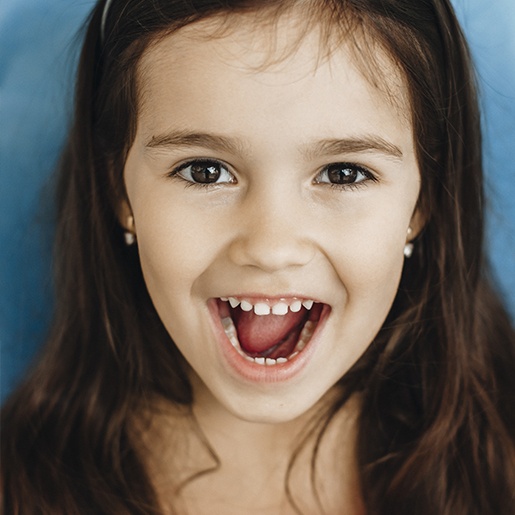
[437, 428]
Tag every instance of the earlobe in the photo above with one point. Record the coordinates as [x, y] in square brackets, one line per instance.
[130, 234]
[417, 223]
[415, 228]
[126, 219]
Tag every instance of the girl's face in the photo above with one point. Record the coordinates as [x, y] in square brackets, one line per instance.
[283, 185]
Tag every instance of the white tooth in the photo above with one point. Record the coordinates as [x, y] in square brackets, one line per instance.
[224, 299]
[280, 309]
[227, 322]
[233, 302]
[295, 306]
[231, 333]
[308, 328]
[228, 326]
[246, 306]
[305, 335]
[281, 360]
[248, 358]
[260, 361]
[234, 340]
[308, 304]
[271, 361]
[291, 356]
[261, 309]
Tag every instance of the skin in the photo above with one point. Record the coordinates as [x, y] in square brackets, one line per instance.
[276, 227]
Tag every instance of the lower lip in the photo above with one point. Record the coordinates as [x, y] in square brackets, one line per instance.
[254, 372]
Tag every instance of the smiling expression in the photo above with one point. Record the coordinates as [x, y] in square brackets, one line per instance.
[269, 198]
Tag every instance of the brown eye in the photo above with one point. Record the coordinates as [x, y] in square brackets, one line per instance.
[205, 172]
[343, 173]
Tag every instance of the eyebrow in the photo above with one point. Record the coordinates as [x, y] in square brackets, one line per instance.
[324, 147]
[362, 144]
[215, 142]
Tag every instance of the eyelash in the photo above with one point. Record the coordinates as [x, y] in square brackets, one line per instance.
[175, 173]
[366, 173]
[368, 176]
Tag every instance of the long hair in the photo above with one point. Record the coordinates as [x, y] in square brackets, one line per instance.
[436, 429]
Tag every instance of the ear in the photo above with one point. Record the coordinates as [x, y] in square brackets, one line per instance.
[125, 216]
[417, 223]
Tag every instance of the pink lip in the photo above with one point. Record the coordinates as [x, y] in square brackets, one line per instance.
[237, 365]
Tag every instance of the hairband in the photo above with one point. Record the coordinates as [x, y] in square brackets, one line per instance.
[105, 12]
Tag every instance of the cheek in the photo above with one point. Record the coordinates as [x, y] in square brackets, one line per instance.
[169, 255]
[171, 262]
[370, 279]
[177, 246]
[368, 257]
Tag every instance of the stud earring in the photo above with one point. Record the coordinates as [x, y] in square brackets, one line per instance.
[130, 237]
[408, 248]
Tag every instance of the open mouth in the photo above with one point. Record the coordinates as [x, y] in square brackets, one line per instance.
[269, 333]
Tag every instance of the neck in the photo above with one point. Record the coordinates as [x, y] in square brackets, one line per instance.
[238, 440]
[254, 460]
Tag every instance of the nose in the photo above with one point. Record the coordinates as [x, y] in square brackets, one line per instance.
[272, 234]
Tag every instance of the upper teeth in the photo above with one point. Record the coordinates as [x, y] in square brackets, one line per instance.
[264, 308]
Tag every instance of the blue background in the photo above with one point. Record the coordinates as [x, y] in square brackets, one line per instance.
[38, 48]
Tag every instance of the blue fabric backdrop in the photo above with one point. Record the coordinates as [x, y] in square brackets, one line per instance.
[38, 51]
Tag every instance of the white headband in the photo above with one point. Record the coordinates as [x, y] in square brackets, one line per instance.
[107, 5]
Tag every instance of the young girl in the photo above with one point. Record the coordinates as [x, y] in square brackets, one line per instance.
[271, 291]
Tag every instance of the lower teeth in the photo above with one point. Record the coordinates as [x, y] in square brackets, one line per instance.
[305, 336]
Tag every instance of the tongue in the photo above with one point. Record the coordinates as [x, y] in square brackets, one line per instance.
[257, 334]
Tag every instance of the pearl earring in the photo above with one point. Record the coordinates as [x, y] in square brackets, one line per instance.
[130, 237]
[408, 248]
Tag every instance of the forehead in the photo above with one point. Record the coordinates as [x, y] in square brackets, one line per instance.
[210, 71]
[265, 46]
